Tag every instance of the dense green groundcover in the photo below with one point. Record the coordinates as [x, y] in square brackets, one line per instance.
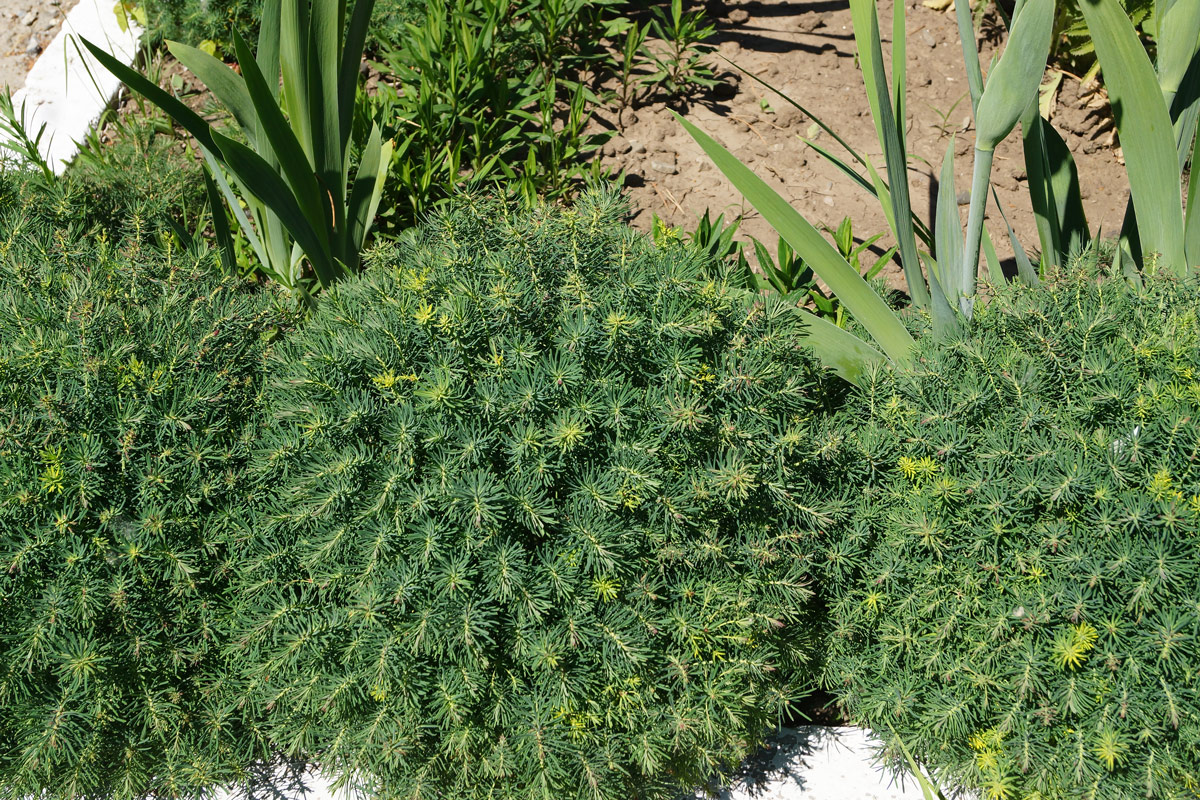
[534, 508]
[128, 380]
[1018, 597]
[539, 516]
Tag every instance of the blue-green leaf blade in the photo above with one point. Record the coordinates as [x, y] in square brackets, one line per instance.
[866, 33]
[855, 293]
[837, 348]
[1144, 125]
[192, 122]
[225, 84]
[1014, 81]
[1191, 233]
[947, 229]
[367, 189]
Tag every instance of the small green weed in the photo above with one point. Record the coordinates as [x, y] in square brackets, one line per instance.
[23, 147]
[784, 272]
[679, 57]
[478, 91]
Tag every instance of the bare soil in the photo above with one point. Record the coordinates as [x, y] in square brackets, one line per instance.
[806, 49]
[26, 27]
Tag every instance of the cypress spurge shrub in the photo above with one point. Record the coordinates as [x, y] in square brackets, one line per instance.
[1018, 598]
[128, 377]
[541, 518]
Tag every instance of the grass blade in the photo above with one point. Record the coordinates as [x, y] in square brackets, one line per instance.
[841, 164]
[1042, 196]
[928, 790]
[900, 69]
[1144, 125]
[224, 235]
[970, 50]
[1185, 111]
[1178, 36]
[278, 138]
[325, 63]
[1053, 190]
[293, 63]
[1025, 270]
[849, 287]
[368, 186]
[879, 190]
[268, 45]
[231, 199]
[968, 268]
[1063, 178]
[352, 51]
[188, 119]
[816, 120]
[995, 271]
[223, 82]
[1011, 86]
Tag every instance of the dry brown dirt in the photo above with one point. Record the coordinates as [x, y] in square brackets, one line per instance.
[806, 49]
[26, 27]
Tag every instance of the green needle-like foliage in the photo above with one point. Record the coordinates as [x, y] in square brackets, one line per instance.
[128, 377]
[1017, 598]
[540, 516]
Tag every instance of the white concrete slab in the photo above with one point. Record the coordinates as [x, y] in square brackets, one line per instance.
[808, 763]
[67, 89]
[817, 762]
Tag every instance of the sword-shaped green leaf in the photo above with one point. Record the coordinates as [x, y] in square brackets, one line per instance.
[278, 137]
[260, 179]
[1192, 220]
[348, 74]
[1025, 270]
[1011, 86]
[1178, 38]
[870, 54]
[220, 226]
[325, 62]
[267, 53]
[849, 287]
[1144, 124]
[1014, 81]
[225, 84]
[947, 229]
[368, 186]
[293, 63]
[970, 51]
[1053, 189]
[837, 348]
[192, 122]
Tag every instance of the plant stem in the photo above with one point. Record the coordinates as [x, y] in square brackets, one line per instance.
[980, 182]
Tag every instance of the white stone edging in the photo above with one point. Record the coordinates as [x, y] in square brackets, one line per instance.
[67, 89]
